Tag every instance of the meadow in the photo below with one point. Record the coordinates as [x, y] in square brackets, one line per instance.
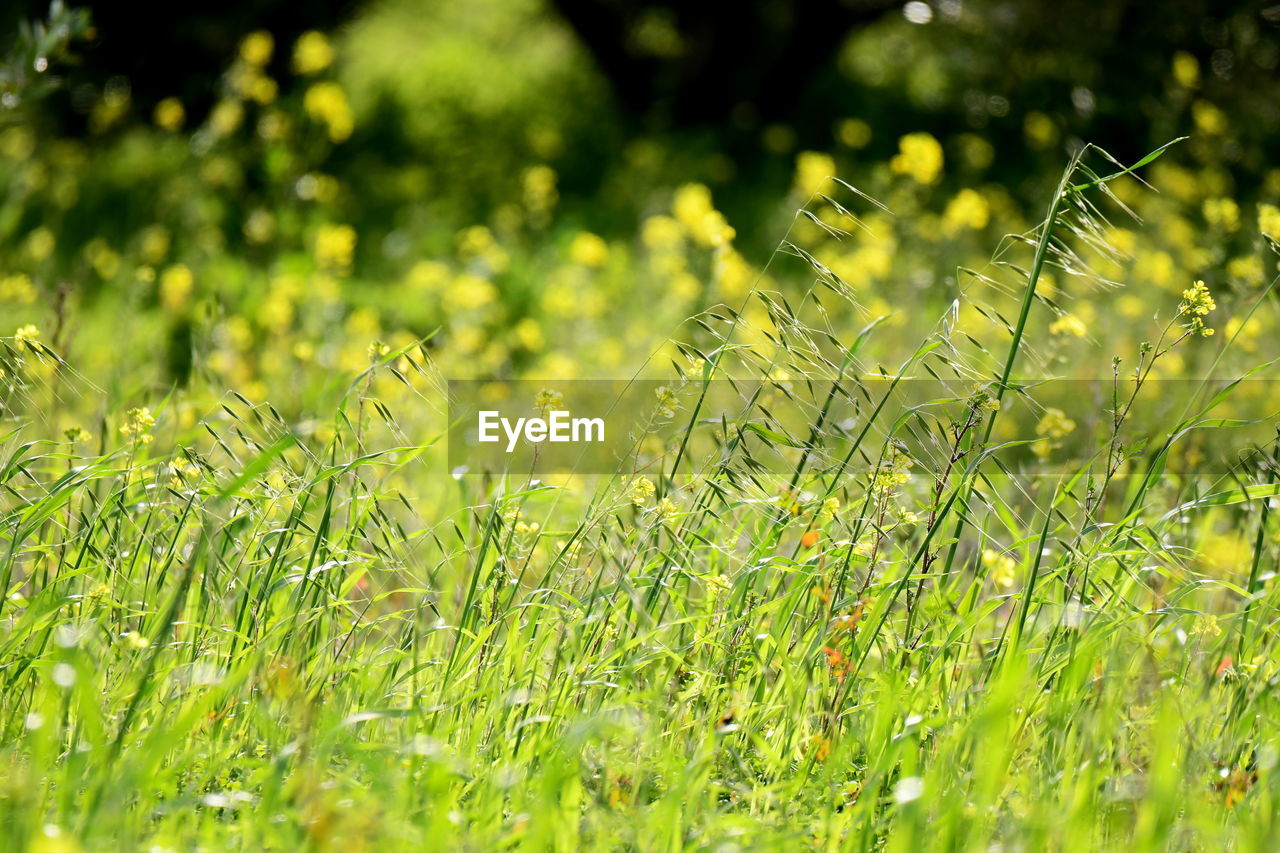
[248, 604]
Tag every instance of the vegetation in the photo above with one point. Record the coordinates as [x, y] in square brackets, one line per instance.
[247, 604]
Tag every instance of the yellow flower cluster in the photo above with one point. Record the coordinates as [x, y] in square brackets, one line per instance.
[548, 400]
[642, 489]
[693, 209]
[1196, 303]
[813, 172]
[919, 156]
[589, 250]
[312, 53]
[1053, 426]
[1068, 325]
[169, 115]
[1000, 566]
[1269, 221]
[176, 284]
[137, 426]
[893, 472]
[335, 247]
[968, 210]
[326, 102]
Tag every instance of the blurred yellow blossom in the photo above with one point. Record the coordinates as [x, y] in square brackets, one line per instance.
[468, 292]
[732, 273]
[169, 115]
[967, 210]
[528, 333]
[176, 284]
[548, 400]
[1208, 118]
[335, 247]
[312, 53]
[692, 208]
[77, 435]
[1001, 567]
[1186, 70]
[1068, 324]
[976, 151]
[1040, 130]
[326, 102]
[919, 156]
[17, 288]
[854, 132]
[540, 195]
[259, 226]
[1055, 424]
[588, 250]
[1221, 213]
[155, 243]
[137, 426]
[257, 47]
[40, 244]
[642, 489]
[428, 275]
[813, 171]
[1269, 221]
[226, 117]
[661, 232]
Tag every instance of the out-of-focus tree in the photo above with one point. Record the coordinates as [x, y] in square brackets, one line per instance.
[30, 69]
[699, 63]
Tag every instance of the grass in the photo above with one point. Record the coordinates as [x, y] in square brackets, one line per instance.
[239, 635]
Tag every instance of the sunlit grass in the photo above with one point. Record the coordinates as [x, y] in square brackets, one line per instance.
[257, 631]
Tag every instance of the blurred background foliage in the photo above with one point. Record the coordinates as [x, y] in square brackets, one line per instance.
[549, 184]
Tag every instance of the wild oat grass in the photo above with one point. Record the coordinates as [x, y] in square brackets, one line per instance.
[254, 632]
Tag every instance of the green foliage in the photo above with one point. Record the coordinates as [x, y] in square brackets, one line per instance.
[244, 603]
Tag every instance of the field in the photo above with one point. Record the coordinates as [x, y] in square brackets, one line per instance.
[983, 557]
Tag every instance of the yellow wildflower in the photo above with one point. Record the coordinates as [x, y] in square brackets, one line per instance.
[588, 250]
[257, 47]
[169, 115]
[854, 132]
[549, 400]
[176, 284]
[919, 156]
[137, 425]
[1222, 213]
[326, 102]
[1269, 221]
[692, 207]
[1196, 303]
[1040, 130]
[77, 434]
[312, 53]
[40, 244]
[335, 247]
[813, 171]
[1055, 424]
[1186, 70]
[1001, 567]
[666, 510]
[17, 288]
[642, 489]
[1068, 324]
[967, 210]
